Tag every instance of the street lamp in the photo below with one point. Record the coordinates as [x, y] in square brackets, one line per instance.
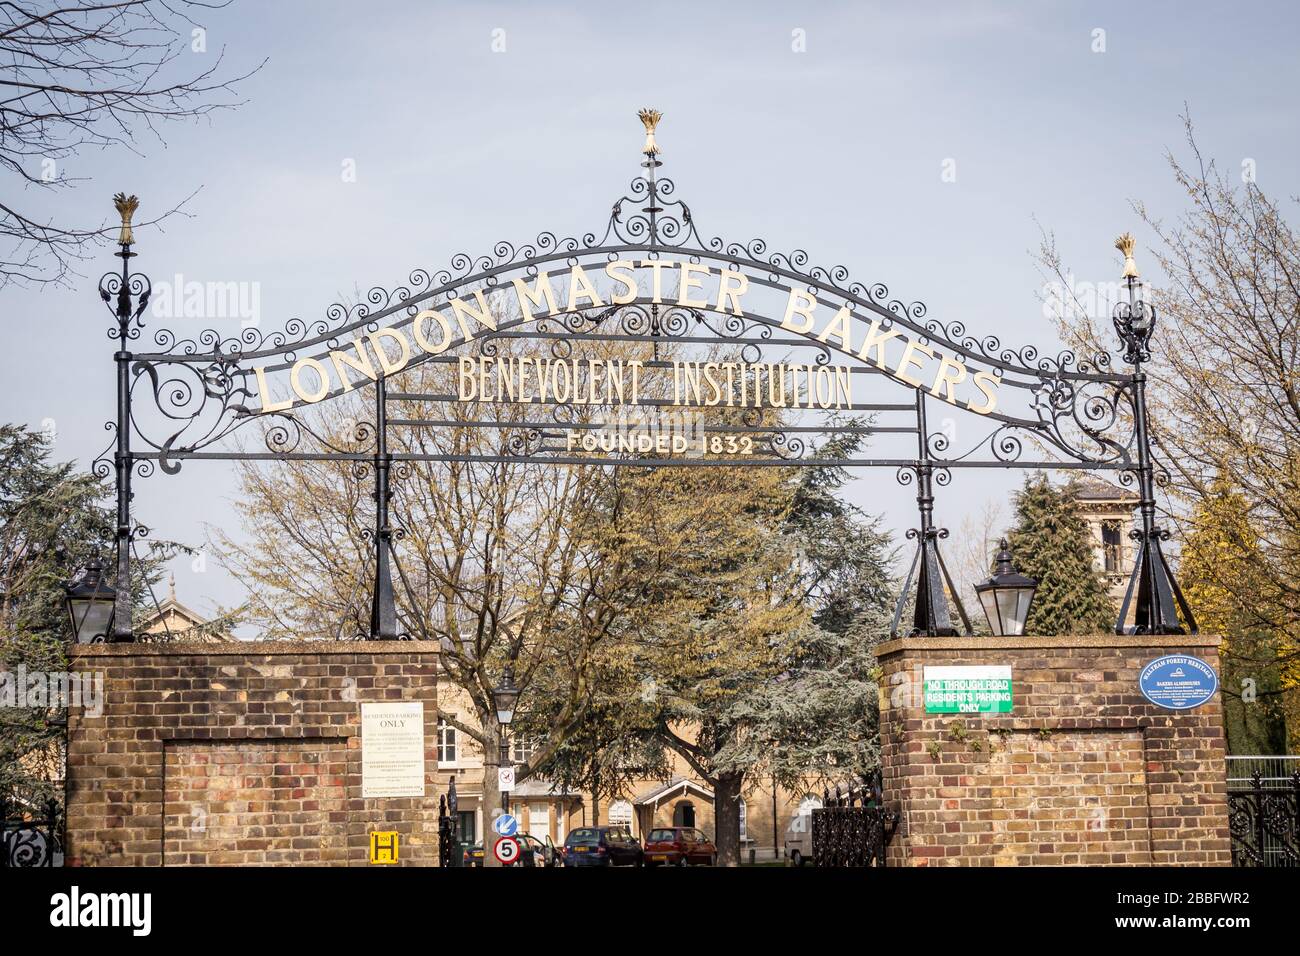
[91, 601]
[1006, 596]
[504, 696]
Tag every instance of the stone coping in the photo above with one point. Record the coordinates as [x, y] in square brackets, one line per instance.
[898, 645]
[1099, 641]
[255, 649]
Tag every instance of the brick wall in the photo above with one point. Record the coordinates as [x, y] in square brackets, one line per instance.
[255, 802]
[1083, 771]
[241, 753]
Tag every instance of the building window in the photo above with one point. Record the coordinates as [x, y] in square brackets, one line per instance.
[620, 812]
[465, 826]
[522, 750]
[539, 821]
[744, 822]
[1112, 547]
[446, 744]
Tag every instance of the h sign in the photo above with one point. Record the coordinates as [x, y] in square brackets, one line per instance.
[383, 847]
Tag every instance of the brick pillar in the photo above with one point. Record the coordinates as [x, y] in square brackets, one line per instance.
[1084, 770]
[242, 753]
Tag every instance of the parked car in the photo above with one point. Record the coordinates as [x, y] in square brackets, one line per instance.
[798, 839]
[603, 846]
[533, 852]
[679, 846]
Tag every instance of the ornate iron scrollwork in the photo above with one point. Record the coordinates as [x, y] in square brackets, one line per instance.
[26, 841]
[117, 296]
[1264, 823]
[1135, 322]
[201, 389]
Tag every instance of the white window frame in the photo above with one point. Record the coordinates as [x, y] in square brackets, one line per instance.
[522, 750]
[445, 728]
[630, 822]
[538, 808]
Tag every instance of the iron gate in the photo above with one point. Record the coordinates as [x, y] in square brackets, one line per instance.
[1264, 820]
[852, 829]
[26, 841]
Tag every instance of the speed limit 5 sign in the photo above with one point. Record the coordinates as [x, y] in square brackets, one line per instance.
[506, 849]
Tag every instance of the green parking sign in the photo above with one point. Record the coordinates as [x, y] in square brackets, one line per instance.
[969, 689]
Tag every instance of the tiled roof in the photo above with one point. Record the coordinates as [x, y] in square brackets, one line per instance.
[1094, 489]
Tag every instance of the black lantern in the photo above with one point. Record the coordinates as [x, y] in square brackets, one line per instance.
[91, 601]
[1006, 596]
[504, 696]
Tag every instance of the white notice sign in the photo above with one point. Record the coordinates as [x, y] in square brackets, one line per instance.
[392, 749]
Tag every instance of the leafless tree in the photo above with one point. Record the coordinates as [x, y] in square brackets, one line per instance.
[1225, 395]
[972, 561]
[76, 76]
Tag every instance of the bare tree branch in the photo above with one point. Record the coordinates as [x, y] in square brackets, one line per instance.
[84, 76]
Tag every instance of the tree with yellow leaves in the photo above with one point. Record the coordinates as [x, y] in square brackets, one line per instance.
[1220, 566]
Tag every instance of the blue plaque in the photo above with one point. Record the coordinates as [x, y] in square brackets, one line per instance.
[1178, 682]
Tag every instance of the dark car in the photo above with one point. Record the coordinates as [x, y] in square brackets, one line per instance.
[533, 852]
[603, 846]
[679, 846]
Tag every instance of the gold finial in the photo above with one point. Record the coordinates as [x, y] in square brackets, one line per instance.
[651, 119]
[1125, 244]
[126, 207]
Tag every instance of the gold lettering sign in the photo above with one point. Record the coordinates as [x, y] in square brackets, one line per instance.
[580, 381]
[621, 382]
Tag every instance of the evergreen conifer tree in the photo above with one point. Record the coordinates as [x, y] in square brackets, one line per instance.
[52, 518]
[1050, 543]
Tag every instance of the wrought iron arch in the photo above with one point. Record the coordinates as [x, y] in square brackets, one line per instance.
[186, 398]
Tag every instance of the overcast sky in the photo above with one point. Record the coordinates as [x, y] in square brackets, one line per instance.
[826, 127]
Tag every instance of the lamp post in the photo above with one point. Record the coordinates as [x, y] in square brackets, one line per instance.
[91, 604]
[504, 697]
[1006, 596]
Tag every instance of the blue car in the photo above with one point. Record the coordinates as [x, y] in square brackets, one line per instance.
[603, 846]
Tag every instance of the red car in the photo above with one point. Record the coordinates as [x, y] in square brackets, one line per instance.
[679, 846]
